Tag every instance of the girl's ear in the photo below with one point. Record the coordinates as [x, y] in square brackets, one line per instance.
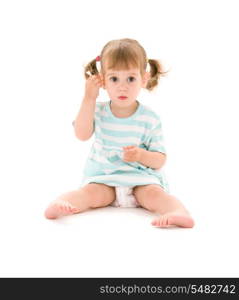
[145, 79]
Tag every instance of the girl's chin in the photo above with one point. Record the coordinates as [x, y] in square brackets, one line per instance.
[123, 100]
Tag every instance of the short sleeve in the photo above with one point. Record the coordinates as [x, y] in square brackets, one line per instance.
[155, 140]
[98, 111]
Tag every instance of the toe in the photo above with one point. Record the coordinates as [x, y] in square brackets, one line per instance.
[164, 221]
[153, 222]
[161, 222]
[67, 209]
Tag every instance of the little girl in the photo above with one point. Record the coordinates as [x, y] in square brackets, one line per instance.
[125, 164]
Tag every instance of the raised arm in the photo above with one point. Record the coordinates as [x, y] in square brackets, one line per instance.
[84, 122]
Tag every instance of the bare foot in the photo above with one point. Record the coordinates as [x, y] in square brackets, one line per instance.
[60, 208]
[176, 218]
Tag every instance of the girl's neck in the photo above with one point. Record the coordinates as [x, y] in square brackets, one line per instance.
[126, 112]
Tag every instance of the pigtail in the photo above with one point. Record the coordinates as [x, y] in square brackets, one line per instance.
[91, 68]
[156, 71]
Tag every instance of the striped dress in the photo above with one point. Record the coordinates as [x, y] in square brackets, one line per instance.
[105, 164]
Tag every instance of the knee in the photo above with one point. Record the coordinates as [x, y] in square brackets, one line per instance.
[98, 196]
[153, 192]
[97, 200]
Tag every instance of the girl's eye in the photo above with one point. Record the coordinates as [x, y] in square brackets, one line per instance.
[114, 79]
[131, 79]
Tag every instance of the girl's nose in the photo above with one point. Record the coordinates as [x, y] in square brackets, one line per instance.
[123, 86]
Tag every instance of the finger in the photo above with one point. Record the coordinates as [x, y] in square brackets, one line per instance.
[98, 84]
[100, 81]
[97, 79]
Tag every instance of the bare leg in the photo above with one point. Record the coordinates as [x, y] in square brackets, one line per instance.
[171, 210]
[92, 195]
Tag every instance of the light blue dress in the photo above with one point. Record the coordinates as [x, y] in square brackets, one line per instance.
[104, 163]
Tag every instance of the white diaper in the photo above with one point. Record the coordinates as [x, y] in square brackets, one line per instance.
[124, 197]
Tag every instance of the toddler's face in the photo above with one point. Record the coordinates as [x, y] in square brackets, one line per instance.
[125, 83]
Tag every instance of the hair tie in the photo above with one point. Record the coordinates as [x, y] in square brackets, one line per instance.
[98, 65]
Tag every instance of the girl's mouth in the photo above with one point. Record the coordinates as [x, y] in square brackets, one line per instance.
[122, 98]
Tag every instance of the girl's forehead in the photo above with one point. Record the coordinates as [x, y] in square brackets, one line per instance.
[132, 71]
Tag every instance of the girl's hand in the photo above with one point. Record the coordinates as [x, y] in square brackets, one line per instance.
[92, 86]
[132, 153]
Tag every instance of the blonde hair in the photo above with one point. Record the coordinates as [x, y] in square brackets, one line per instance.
[124, 54]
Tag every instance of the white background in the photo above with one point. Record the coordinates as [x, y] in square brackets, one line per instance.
[44, 45]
